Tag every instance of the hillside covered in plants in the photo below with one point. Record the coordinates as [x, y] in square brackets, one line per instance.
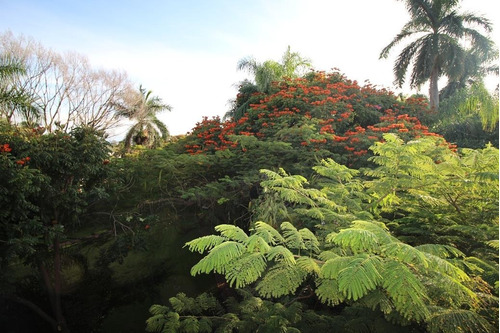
[315, 204]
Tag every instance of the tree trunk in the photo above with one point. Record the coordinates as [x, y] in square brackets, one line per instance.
[434, 90]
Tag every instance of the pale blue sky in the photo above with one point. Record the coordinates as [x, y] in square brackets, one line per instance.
[187, 51]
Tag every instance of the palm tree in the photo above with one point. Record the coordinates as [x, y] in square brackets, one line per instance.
[147, 129]
[12, 99]
[443, 37]
[292, 65]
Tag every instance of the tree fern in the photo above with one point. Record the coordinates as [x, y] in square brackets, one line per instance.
[281, 254]
[357, 240]
[293, 238]
[256, 243]
[405, 253]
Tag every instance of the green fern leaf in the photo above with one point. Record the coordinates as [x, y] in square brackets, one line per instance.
[205, 325]
[204, 243]
[281, 280]
[158, 309]
[232, 232]
[218, 258]
[246, 269]
[405, 291]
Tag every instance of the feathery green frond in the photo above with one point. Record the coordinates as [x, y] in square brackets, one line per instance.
[218, 258]
[246, 269]
[440, 250]
[458, 320]
[256, 243]
[405, 290]
[360, 276]
[446, 267]
[281, 280]
[232, 232]
[204, 243]
[356, 240]
[268, 233]
[293, 238]
[281, 254]
[405, 253]
[308, 264]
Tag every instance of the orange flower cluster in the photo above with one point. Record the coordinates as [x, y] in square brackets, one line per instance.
[5, 148]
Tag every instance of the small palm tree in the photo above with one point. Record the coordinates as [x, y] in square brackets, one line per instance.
[292, 65]
[147, 129]
[438, 49]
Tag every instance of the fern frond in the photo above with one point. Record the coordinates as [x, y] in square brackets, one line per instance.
[440, 250]
[281, 280]
[218, 258]
[308, 264]
[156, 309]
[255, 243]
[405, 253]
[378, 228]
[457, 320]
[246, 269]
[360, 276]
[281, 254]
[204, 243]
[293, 238]
[232, 232]
[190, 324]
[357, 240]
[268, 233]
[405, 291]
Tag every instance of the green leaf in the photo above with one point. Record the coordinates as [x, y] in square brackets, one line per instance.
[268, 233]
[204, 243]
[357, 240]
[232, 232]
[281, 254]
[218, 258]
[281, 280]
[405, 253]
[360, 276]
[405, 290]
[246, 269]
[457, 320]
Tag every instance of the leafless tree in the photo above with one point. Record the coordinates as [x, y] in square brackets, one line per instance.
[65, 90]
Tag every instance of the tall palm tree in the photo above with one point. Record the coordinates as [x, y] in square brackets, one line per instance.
[142, 109]
[12, 99]
[442, 38]
[292, 65]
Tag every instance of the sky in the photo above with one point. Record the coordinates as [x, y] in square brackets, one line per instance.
[186, 51]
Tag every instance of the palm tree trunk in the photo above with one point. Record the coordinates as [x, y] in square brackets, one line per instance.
[434, 90]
